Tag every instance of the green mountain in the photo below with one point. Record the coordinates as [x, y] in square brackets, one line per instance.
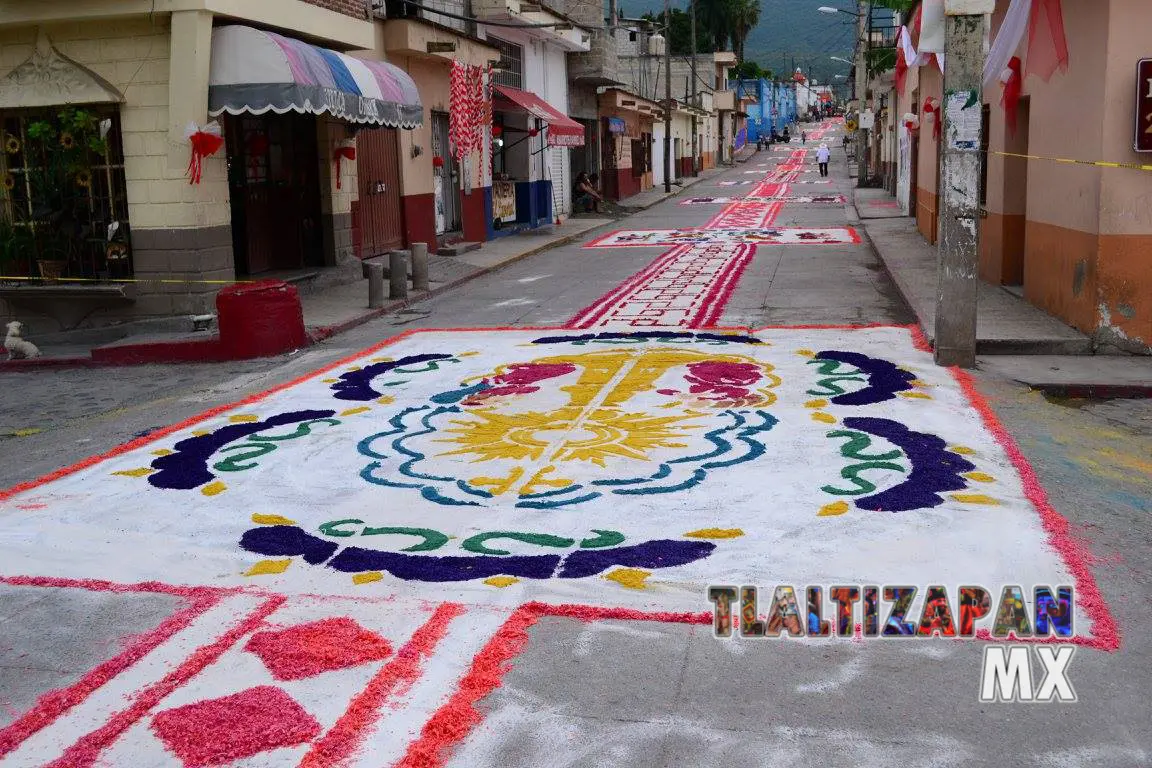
[791, 33]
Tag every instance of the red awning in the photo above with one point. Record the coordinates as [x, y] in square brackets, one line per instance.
[563, 131]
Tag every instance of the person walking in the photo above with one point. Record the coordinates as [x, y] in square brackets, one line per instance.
[822, 156]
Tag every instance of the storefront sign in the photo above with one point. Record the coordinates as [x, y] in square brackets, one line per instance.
[504, 201]
[1144, 106]
[616, 125]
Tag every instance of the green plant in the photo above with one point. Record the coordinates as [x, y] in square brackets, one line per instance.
[59, 155]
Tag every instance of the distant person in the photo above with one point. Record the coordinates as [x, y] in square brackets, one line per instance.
[822, 156]
[803, 137]
[785, 137]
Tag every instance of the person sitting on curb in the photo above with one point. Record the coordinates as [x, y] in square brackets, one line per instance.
[587, 198]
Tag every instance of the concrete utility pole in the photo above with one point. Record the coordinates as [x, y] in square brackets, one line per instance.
[960, 182]
[667, 96]
[863, 24]
[695, 148]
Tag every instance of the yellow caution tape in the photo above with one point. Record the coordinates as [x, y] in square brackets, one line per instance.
[122, 280]
[1069, 161]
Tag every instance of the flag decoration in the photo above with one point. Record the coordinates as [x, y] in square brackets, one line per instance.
[206, 141]
[1047, 43]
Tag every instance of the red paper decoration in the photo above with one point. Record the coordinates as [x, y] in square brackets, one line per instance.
[342, 153]
[205, 142]
[1013, 87]
[437, 162]
[932, 107]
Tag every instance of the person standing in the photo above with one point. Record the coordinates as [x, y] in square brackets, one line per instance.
[822, 156]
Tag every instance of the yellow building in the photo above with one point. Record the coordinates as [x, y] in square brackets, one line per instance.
[328, 151]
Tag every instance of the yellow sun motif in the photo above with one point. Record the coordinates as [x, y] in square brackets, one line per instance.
[84, 179]
[567, 435]
[12, 145]
[66, 140]
[9, 182]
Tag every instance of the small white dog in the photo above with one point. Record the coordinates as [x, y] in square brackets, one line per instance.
[18, 347]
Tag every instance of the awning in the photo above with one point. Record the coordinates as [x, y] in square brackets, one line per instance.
[254, 71]
[563, 131]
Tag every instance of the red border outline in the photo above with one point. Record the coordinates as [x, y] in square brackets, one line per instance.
[596, 243]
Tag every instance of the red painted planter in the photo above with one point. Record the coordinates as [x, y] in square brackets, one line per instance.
[260, 319]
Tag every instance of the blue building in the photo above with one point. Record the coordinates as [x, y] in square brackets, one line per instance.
[775, 106]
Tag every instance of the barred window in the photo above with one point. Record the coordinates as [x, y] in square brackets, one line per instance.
[511, 63]
[63, 186]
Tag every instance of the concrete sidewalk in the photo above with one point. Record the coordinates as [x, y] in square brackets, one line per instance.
[1006, 324]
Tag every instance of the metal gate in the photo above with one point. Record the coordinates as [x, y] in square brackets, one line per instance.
[378, 169]
[447, 177]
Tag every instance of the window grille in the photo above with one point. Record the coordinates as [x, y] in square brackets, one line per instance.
[58, 208]
[511, 63]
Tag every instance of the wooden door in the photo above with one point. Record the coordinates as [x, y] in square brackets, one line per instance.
[378, 169]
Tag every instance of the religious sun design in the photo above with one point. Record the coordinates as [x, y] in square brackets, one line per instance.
[568, 434]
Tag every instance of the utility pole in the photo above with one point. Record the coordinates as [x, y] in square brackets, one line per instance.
[667, 96]
[863, 22]
[965, 24]
[695, 148]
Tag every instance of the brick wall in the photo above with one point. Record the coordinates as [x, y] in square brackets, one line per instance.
[347, 7]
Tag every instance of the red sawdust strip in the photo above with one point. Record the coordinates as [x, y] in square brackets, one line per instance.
[452, 722]
[353, 726]
[53, 704]
[86, 751]
[1104, 630]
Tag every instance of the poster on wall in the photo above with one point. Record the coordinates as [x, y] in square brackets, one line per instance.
[503, 201]
[904, 172]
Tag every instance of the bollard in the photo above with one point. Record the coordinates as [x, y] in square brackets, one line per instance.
[420, 266]
[375, 284]
[397, 275]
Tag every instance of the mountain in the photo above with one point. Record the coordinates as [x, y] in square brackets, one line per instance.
[792, 30]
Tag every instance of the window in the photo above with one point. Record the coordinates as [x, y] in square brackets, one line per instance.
[511, 63]
[63, 186]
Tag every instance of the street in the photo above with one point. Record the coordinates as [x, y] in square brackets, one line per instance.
[481, 531]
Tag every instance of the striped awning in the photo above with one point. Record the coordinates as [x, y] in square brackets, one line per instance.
[254, 71]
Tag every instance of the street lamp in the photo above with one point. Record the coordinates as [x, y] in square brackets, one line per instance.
[830, 10]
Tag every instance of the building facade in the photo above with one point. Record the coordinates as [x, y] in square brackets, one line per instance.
[1072, 238]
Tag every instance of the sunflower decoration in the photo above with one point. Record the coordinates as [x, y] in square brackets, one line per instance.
[84, 179]
[67, 140]
[9, 182]
[11, 145]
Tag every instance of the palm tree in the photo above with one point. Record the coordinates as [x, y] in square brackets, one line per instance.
[743, 18]
[713, 15]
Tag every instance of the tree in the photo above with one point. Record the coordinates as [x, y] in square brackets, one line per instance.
[744, 16]
[713, 17]
[680, 35]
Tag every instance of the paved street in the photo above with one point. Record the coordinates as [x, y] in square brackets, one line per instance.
[480, 532]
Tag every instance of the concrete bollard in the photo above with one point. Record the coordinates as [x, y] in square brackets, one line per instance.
[397, 275]
[420, 266]
[375, 284]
